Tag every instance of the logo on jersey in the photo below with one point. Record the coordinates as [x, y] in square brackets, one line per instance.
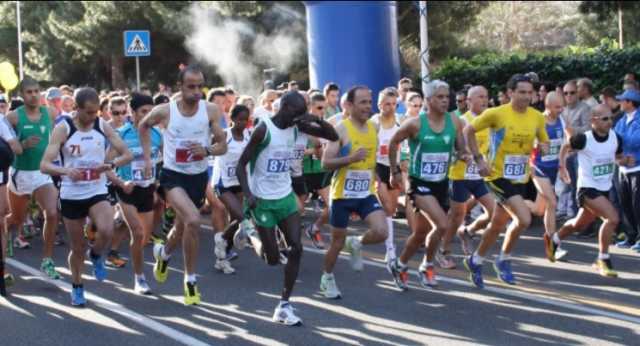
[88, 138]
[446, 139]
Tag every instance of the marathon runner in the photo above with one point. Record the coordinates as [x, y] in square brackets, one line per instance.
[467, 182]
[269, 198]
[432, 137]
[183, 180]
[33, 124]
[598, 150]
[135, 192]
[10, 148]
[82, 143]
[513, 129]
[353, 157]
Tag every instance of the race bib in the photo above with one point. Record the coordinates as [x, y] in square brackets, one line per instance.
[231, 171]
[384, 150]
[554, 150]
[471, 173]
[184, 155]
[515, 167]
[434, 166]
[357, 184]
[298, 154]
[277, 165]
[602, 168]
[137, 171]
[89, 174]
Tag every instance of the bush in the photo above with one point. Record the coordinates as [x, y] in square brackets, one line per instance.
[604, 65]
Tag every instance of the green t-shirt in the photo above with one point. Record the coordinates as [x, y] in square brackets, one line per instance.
[30, 158]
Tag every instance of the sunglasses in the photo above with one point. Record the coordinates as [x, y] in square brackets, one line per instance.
[569, 93]
[118, 113]
[605, 118]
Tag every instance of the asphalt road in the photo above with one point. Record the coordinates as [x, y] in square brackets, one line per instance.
[562, 303]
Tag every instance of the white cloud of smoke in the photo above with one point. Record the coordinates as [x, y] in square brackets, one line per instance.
[238, 51]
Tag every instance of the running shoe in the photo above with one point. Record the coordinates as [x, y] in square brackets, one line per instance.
[427, 276]
[256, 242]
[240, 238]
[605, 268]
[141, 286]
[315, 236]
[625, 244]
[9, 279]
[328, 287]
[550, 247]
[475, 271]
[99, 269]
[560, 253]
[220, 247]
[466, 241]
[191, 293]
[156, 238]
[224, 266]
[28, 230]
[21, 243]
[636, 247]
[77, 296]
[354, 247]
[400, 274]
[444, 259]
[114, 260]
[231, 255]
[160, 268]
[284, 314]
[503, 270]
[48, 267]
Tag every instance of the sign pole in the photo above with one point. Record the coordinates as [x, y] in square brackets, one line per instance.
[19, 40]
[138, 74]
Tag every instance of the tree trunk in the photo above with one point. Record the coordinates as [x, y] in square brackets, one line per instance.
[620, 32]
[117, 72]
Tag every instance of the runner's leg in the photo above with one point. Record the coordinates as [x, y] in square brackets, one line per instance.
[47, 198]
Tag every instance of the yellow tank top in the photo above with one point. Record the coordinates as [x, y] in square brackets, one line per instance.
[357, 179]
[459, 170]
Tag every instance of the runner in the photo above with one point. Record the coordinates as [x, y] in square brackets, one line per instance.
[353, 157]
[226, 185]
[466, 182]
[10, 148]
[82, 143]
[597, 149]
[432, 137]
[183, 180]
[545, 172]
[33, 124]
[387, 125]
[270, 199]
[135, 193]
[513, 129]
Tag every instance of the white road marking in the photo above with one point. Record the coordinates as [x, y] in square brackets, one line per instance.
[133, 316]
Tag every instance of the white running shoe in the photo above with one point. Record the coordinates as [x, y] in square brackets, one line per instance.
[328, 287]
[284, 314]
[224, 266]
[240, 238]
[141, 287]
[256, 243]
[220, 248]
[354, 247]
[560, 253]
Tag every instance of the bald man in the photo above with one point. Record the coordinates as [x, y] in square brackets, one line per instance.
[467, 182]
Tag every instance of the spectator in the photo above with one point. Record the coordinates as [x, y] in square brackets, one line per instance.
[608, 98]
[461, 103]
[331, 94]
[628, 129]
[585, 92]
[404, 85]
[576, 114]
[630, 85]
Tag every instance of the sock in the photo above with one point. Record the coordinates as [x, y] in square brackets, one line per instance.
[389, 244]
[315, 228]
[358, 240]
[504, 256]
[427, 263]
[477, 259]
[401, 264]
[283, 303]
[113, 252]
[76, 285]
[137, 277]
[190, 278]
[603, 256]
[163, 254]
[556, 238]
[329, 275]
[93, 255]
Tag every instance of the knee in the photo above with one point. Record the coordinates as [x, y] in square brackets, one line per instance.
[441, 225]
[381, 230]
[613, 220]
[192, 224]
[523, 222]
[552, 203]
[137, 236]
[338, 239]
[51, 214]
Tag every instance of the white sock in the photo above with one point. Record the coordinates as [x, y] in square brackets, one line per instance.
[163, 253]
[389, 244]
[329, 275]
[138, 277]
[504, 256]
[603, 256]
[401, 265]
[477, 259]
[190, 278]
[283, 303]
[556, 238]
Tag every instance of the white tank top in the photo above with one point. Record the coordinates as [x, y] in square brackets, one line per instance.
[224, 171]
[180, 133]
[596, 162]
[384, 137]
[298, 153]
[84, 150]
[269, 168]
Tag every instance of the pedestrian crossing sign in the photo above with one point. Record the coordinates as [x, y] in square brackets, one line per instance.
[137, 43]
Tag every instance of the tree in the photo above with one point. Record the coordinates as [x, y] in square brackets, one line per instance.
[606, 12]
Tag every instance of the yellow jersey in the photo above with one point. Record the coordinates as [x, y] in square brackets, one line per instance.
[460, 170]
[511, 139]
[357, 179]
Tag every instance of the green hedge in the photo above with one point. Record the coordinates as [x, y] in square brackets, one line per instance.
[605, 65]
